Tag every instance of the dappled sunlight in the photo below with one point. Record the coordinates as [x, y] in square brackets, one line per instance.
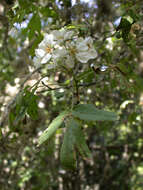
[71, 95]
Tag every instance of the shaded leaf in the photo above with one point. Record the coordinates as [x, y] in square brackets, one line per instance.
[134, 16]
[73, 140]
[68, 154]
[89, 112]
[80, 141]
[125, 27]
[34, 26]
[26, 102]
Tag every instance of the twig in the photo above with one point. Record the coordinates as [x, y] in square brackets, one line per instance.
[48, 86]
[68, 87]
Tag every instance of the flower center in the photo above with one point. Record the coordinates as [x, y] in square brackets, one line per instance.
[89, 46]
[48, 49]
[73, 51]
[60, 37]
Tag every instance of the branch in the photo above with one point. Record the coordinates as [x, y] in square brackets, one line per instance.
[49, 86]
[66, 87]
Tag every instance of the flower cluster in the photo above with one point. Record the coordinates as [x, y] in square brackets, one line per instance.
[64, 47]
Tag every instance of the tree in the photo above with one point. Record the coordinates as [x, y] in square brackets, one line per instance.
[71, 95]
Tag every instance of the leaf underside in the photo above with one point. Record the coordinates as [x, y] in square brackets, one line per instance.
[52, 128]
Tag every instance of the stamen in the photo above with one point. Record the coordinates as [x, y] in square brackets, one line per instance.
[48, 49]
[73, 51]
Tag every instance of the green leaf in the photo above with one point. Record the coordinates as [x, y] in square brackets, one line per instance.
[23, 4]
[73, 140]
[124, 23]
[47, 12]
[11, 118]
[32, 109]
[26, 102]
[30, 103]
[1, 134]
[34, 26]
[125, 27]
[68, 154]
[89, 112]
[35, 44]
[85, 74]
[134, 16]
[80, 141]
[52, 127]
[20, 113]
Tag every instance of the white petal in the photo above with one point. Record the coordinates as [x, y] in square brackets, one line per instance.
[37, 62]
[62, 33]
[89, 40]
[42, 45]
[55, 33]
[39, 53]
[46, 58]
[69, 62]
[81, 46]
[61, 52]
[48, 39]
[83, 57]
[84, 44]
[79, 40]
[92, 53]
[58, 34]
[68, 35]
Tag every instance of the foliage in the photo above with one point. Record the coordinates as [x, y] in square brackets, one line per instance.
[75, 120]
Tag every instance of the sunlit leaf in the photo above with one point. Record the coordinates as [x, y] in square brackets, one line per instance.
[52, 127]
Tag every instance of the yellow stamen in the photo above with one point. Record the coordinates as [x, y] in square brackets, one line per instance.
[73, 51]
[48, 49]
[89, 46]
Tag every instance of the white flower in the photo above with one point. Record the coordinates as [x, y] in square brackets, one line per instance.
[82, 49]
[63, 47]
[45, 49]
[84, 57]
[59, 54]
[81, 45]
[85, 50]
[49, 50]
[61, 35]
[69, 61]
[37, 63]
